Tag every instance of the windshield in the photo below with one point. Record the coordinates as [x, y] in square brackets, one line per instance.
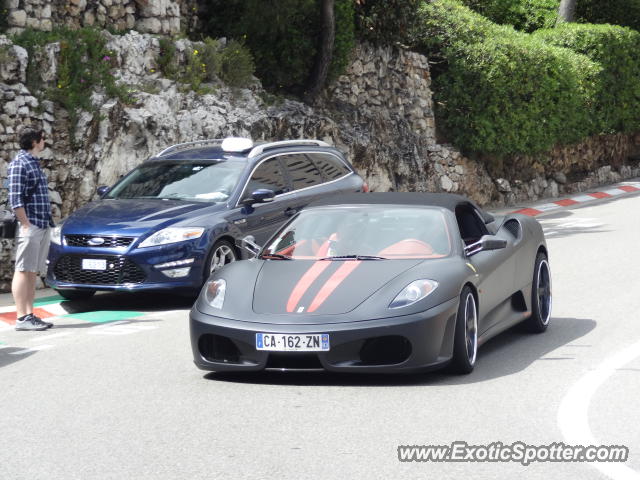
[363, 233]
[203, 181]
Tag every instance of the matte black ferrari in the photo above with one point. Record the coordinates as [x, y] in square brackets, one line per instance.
[377, 282]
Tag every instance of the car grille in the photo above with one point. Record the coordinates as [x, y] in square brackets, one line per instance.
[119, 271]
[109, 242]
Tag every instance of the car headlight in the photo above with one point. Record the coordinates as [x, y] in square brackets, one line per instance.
[172, 235]
[56, 234]
[214, 292]
[413, 292]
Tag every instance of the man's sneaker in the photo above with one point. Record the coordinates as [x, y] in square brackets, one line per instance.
[31, 322]
[48, 324]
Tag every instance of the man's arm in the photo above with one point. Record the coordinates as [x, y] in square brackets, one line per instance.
[17, 182]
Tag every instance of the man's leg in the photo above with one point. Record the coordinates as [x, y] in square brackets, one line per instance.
[23, 288]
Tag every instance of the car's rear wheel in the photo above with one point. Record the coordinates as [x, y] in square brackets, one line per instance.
[221, 254]
[76, 294]
[465, 344]
[540, 296]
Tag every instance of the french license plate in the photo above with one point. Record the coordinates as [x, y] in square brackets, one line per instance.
[279, 342]
[94, 264]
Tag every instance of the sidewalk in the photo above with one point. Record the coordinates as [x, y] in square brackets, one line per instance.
[551, 205]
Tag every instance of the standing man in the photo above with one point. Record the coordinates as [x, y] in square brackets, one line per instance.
[29, 199]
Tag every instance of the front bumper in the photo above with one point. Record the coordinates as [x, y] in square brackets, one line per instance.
[127, 269]
[409, 343]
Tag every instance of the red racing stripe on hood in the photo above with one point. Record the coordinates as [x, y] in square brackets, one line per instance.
[334, 281]
[305, 282]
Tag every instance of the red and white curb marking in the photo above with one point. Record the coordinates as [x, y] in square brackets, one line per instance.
[580, 199]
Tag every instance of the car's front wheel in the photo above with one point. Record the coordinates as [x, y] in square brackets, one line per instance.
[76, 294]
[465, 343]
[222, 253]
[540, 295]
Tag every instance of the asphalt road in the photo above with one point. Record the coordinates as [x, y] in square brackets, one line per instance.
[96, 399]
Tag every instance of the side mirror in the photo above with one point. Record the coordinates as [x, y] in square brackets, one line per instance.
[487, 242]
[262, 195]
[249, 244]
[102, 190]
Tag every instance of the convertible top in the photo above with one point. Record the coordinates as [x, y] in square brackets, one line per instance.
[446, 200]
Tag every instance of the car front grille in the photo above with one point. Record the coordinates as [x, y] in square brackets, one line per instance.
[108, 242]
[119, 271]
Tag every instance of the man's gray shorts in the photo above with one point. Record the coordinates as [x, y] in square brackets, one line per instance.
[32, 249]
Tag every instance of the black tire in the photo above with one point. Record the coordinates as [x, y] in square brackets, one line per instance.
[465, 342]
[540, 296]
[222, 253]
[76, 294]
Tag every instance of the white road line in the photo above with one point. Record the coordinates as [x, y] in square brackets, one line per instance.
[547, 207]
[37, 348]
[123, 327]
[47, 337]
[583, 198]
[614, 191]
[573, 415]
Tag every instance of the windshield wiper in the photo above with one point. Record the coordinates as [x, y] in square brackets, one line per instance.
[276, 255]
[354, 257]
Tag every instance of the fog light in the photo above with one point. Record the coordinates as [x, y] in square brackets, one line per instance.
[177, 272]
[177, 263]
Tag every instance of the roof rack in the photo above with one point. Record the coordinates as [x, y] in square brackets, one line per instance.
[257, 150]
[185, 146]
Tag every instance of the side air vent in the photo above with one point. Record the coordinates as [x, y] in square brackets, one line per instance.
[514, 228]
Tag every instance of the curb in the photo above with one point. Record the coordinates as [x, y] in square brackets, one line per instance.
[612, 192]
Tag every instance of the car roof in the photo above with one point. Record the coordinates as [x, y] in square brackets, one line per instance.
[238, 148]
[201, 153]
[448, 201]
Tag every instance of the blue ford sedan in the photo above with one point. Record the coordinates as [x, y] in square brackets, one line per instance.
[172, 221]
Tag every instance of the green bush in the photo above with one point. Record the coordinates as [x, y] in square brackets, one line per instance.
[385, 21]
[236, 64]
[617, 51]
[212, 58]
[618, 12]
[525, 15]
[503, 92]
[282, 36]
[167, 60]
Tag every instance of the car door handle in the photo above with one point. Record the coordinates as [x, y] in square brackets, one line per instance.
[290, 211]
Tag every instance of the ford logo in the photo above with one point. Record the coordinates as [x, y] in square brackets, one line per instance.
[95, 241]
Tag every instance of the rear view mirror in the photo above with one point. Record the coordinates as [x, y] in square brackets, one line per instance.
[262, 195]
[102, 190]
[487, 242]
[249, 244]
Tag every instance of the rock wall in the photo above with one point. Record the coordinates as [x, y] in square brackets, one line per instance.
[379, 113]
[150, 16]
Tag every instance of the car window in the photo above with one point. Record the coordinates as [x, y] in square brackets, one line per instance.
[183, 180]
[302, 171]
[268, 175]
[330, 166]
[470, 223]
[390, 232]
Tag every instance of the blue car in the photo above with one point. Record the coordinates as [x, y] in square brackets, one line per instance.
[176, 218]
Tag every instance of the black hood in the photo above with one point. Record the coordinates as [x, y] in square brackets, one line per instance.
[321, 287]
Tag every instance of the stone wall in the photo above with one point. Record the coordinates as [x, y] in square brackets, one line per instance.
[151, 16]
[379, 113]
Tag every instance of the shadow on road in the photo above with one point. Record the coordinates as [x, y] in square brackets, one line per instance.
[9, 355]
[506, 354]
[139, 301]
